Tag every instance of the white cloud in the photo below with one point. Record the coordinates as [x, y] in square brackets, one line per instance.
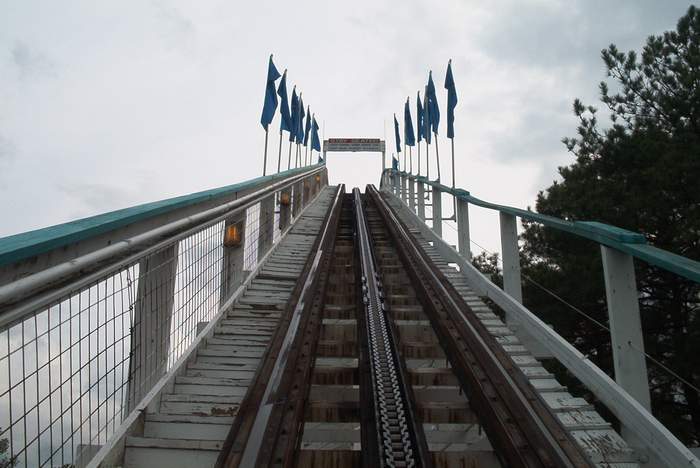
[135, 101]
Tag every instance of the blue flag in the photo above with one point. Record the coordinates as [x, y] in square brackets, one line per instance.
[270, 105]
[420, 124]
[426, 117]
[286, 120]
[396, 135]
[315, 142]
[408, 125]
[294, 116]
[300, 126]
[433, 103]
[451, 100]
[394, 163]
[307, 129]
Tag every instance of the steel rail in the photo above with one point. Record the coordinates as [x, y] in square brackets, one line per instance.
[521, 427]
[283, 435]
[399, 434]
[244, 443]
[20, 298]
[648, 432]
[369, 442]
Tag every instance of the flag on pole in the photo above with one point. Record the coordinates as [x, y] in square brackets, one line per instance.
[433, 103]
[451, 100]
[270, 105]
[307, 129]
[315, 142]
[408, 125]
[396, 135]
[394, 163]
[420, 125]
[294, 116]
[300, 126]
[286, 120]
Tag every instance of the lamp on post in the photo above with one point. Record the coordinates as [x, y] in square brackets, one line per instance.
[233, 235]
[285, 199]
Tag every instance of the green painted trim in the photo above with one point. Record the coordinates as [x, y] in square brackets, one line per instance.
[677, 264]
[614, 232]
[626, 241]
[29, 244]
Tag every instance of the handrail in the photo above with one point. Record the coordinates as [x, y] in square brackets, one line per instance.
[126, 249]
[632, 415]
[25, 245]
[618, 238]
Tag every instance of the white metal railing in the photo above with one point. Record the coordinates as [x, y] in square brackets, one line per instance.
[77, 357]
[628, 396]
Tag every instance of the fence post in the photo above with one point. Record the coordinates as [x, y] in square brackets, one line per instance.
[233, 259]
[511, 257]
[437, 211]
[296, 199]
[412, 194]
[404, 189]
[421, 201]
[625, 324]
[318, 183]
[266, 226]
[306, 191]
[285, 208]
[512, 282]
[463, 228]
[150, 331]
[324, 177]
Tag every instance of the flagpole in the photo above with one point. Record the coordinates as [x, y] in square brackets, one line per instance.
[289, 159]
[404, 153]
[306, 154]
[427, 159]
[453, 161]
[437, 155]
[454, 199]
[265, 160]
[279, 158]
[418, 146]
[410, 159]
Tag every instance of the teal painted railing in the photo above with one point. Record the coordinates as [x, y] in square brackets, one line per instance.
[28, 244]
[626, 241]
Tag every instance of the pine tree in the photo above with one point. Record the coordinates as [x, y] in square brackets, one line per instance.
[641, 173]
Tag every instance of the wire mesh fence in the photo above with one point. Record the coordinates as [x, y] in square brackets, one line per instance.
[658, 373]
[73, 370]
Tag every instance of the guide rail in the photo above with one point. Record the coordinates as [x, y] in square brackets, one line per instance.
[370, 292]
[524, 432]
[399, 435]
[266, 429]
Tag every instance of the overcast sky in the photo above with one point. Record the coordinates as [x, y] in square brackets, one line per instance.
[104, 105]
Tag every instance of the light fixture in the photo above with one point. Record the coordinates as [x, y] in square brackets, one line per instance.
[233, 236]
[318, 177]
[285, 199]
